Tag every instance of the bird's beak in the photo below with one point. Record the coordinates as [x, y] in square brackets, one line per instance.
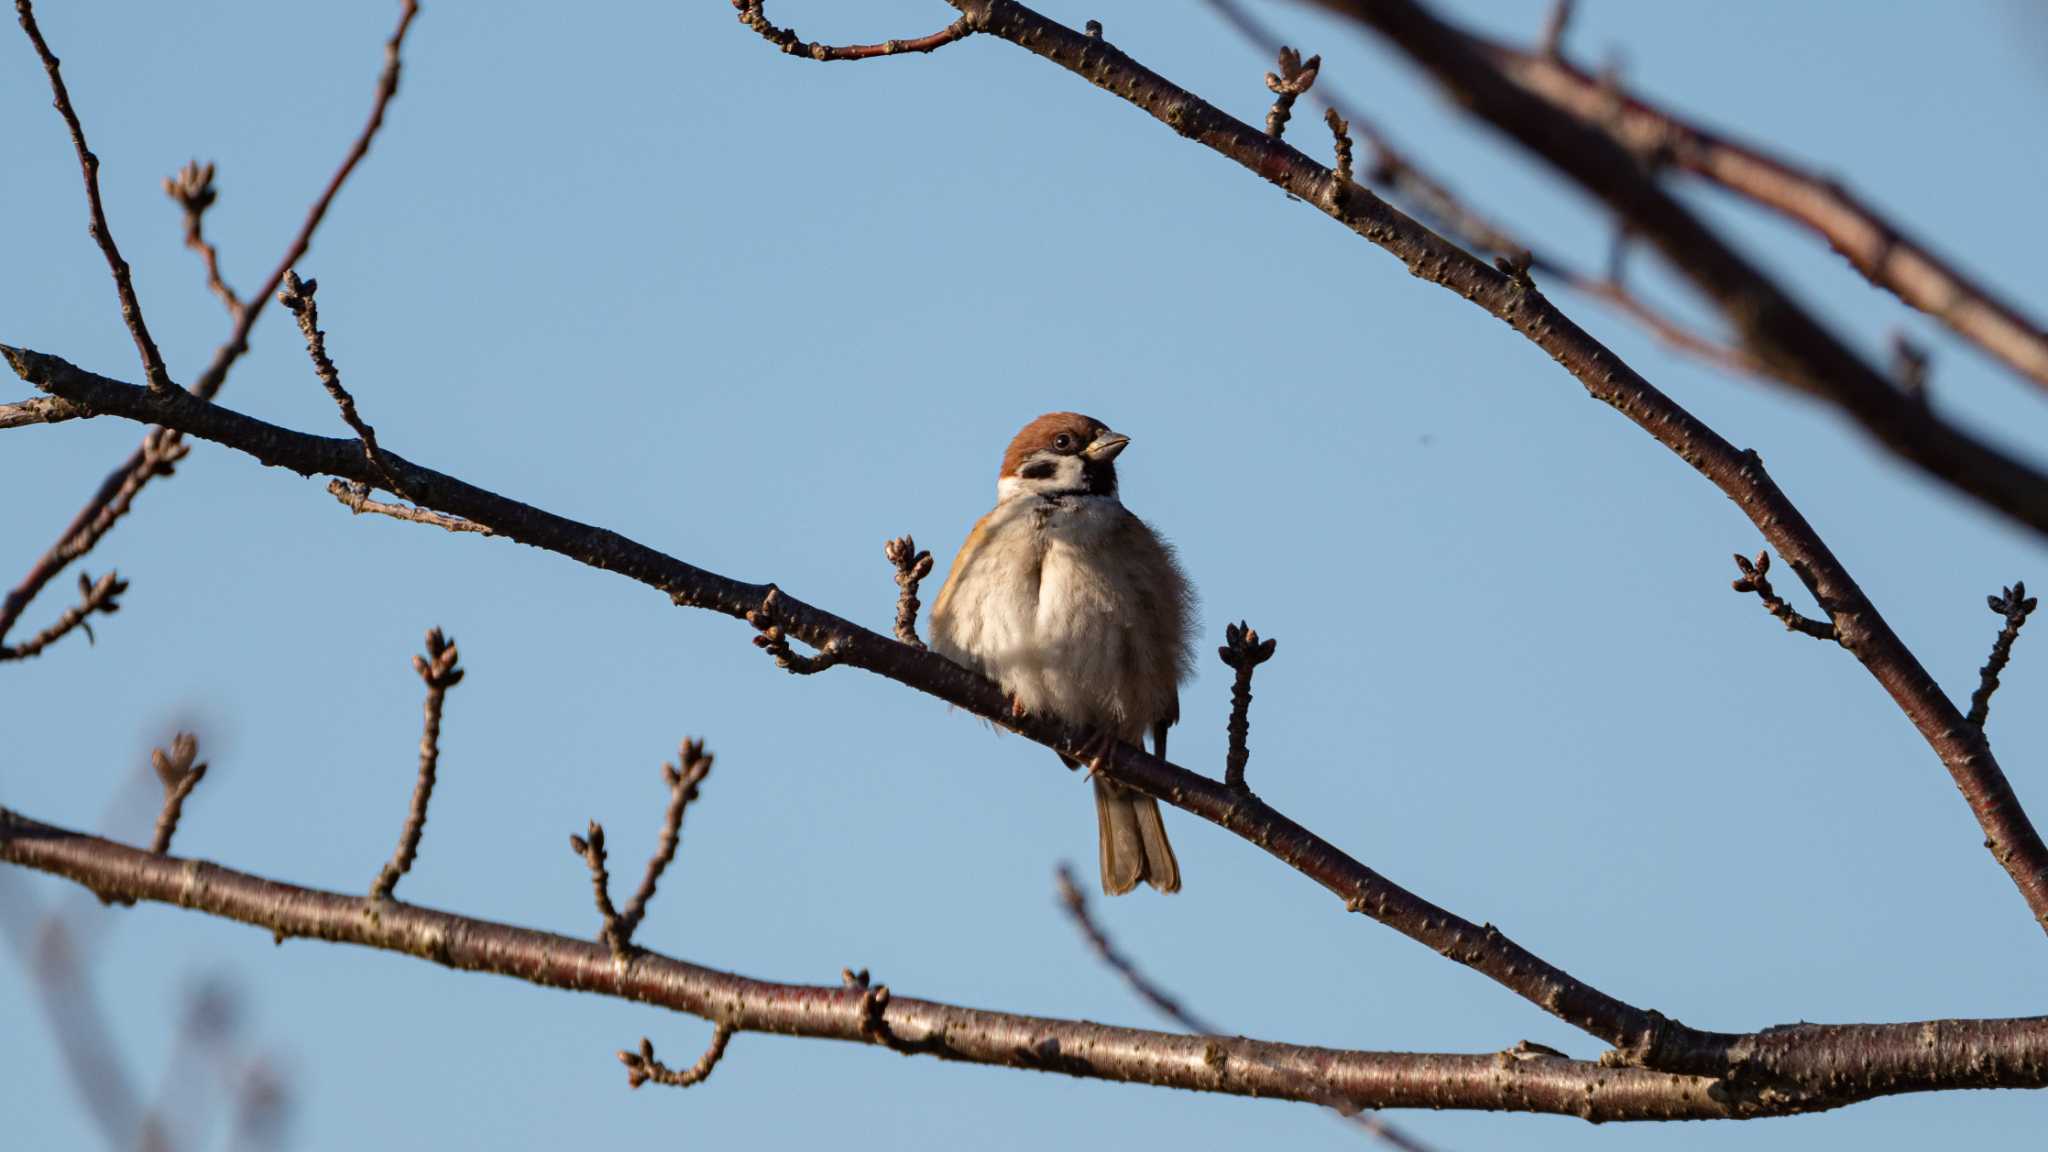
[1105, 447]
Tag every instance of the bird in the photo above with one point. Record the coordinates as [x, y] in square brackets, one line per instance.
[1080, 611]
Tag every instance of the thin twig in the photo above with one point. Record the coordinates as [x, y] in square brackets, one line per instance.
[2015, 605]
[437, 670]
[752, 15]
[912, 566]
[1168, 1005]
[591, 849]
[1754, 578]
[101, 596]
[192, 189]
[767, 621]
[158, 449]
[1243, 651]
[1294, 78]
[153, 370]
[356, 497]
[297, 298]
[1340, 129]
[37, 410]
[1554, 26]
[179, 774]
[641, 1066]
[692, 765]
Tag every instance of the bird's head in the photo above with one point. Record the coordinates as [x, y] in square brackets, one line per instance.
[1061, 454]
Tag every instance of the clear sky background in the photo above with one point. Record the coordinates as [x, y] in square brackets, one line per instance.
[632, 265]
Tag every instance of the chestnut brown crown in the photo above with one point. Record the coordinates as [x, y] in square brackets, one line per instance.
[1061, 433]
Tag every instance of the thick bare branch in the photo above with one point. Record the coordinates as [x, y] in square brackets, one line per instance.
[438, 671]
[1650, 1036]
[1167, 1004]
[2009, 834]
[1787, 339]
[1878, 247]
[1802, 1068]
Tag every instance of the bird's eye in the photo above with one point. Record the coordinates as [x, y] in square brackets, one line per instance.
[1063, 443]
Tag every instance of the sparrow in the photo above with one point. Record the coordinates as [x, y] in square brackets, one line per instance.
[1080, 611]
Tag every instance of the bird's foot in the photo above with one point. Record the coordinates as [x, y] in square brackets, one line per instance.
[1097, 750]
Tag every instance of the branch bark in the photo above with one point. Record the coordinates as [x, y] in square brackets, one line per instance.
[2009, 835]
[1805, 1068]
[1787, 340]
[1885, 253]
[1646, 1036]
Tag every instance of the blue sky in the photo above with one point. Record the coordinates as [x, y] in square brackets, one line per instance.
[636, 267]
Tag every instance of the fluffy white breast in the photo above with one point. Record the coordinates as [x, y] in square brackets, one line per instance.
[1046, 602]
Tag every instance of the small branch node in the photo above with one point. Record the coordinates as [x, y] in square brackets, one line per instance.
[1515, 266]
[180, 772]
[1092, 29]
[1755, 578]
[642, 1067]
[1296, 77]
[1243, 651]
[767, 620]
[912, 566]
[2015, 606]
[438, 671]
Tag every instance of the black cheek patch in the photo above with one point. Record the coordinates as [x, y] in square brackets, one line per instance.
[1036, 470]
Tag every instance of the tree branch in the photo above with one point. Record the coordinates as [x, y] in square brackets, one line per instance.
[2009, 835]
[752, 15]
[692, 765]
[1885, 253]
[179, 774]
[1803, 1068]
[153, 369]
[1648, 1036]
[157, 451]
[1075, 902]
[1243, 652]
[101, 596]
[1755, 579]
[192, 189]
[912, 566]
[1786, 339]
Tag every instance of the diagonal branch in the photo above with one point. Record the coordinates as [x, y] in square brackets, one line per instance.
[1648, 1036]
[692, 765]
[101, 596]
[192, 189]
[1883, 251]
[1803, 1068]
[153, 369]
[1786, 338]
[152, 458]
[2009, 835]
[1755, 578]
